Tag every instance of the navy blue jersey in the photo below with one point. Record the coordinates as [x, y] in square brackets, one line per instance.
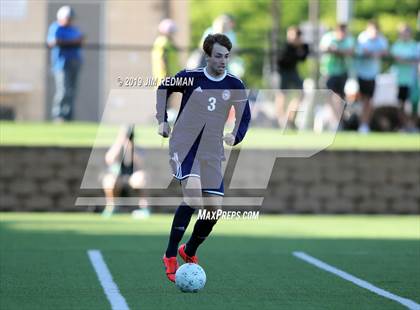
[204, 109]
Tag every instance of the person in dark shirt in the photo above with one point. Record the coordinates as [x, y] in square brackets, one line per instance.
[196, 144]
[291, 53]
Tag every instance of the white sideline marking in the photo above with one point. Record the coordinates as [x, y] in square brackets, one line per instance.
[110, 288]
[410, 304]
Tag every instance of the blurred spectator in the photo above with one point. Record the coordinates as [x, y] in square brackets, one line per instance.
[123, 172]
[165, 59]
[406, 56]
[65, 41]
[224, 24]
[291, 53]
[415, 90]
[370, 48]
[336, 47]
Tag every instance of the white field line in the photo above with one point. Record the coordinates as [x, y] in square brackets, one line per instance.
[410, 304]
[111, 290]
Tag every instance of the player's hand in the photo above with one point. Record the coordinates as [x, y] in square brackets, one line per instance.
[229, 139]
[164, 129]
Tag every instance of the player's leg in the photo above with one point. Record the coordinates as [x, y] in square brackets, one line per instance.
[202, 228]
[191, 189]
[112, 188]
[213, 189]
[189, 175]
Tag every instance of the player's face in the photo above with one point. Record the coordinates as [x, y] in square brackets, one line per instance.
[218, 60]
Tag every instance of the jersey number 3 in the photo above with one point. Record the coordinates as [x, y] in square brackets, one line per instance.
[212, 104]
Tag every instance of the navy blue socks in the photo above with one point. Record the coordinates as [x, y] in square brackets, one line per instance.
[180, 223]
[202, 229]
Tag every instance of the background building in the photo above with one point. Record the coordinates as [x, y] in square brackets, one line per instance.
[119, 38]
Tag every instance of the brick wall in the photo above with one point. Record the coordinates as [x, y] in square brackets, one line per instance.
[48, 179]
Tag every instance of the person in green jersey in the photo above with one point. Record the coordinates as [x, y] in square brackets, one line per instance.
[336, 47]
[165, 60]
[406, 56]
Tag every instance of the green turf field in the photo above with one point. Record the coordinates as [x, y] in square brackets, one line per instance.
[88, 134]
[249, 264]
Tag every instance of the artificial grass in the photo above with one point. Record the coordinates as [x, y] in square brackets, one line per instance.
[249, 264]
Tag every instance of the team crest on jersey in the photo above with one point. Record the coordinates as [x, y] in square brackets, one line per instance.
[226, 94]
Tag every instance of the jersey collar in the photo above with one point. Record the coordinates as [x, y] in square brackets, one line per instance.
[213, 78]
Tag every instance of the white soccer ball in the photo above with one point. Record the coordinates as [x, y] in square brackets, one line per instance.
[190, 278]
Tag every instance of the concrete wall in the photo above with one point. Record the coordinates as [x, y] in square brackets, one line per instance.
[49, 179]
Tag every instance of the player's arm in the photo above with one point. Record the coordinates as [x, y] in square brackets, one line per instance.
[242, 118]
[162, 95]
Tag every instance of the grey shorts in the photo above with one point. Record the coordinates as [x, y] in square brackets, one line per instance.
[208, 170]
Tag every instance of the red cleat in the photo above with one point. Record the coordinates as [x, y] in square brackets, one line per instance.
[171, 265]
[185, 257]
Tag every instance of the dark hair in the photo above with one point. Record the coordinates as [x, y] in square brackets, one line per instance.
[296, 29]
[219, 38]
[342, 27]
[374, 23]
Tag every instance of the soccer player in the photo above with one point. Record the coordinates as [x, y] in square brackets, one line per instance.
[196, 144]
